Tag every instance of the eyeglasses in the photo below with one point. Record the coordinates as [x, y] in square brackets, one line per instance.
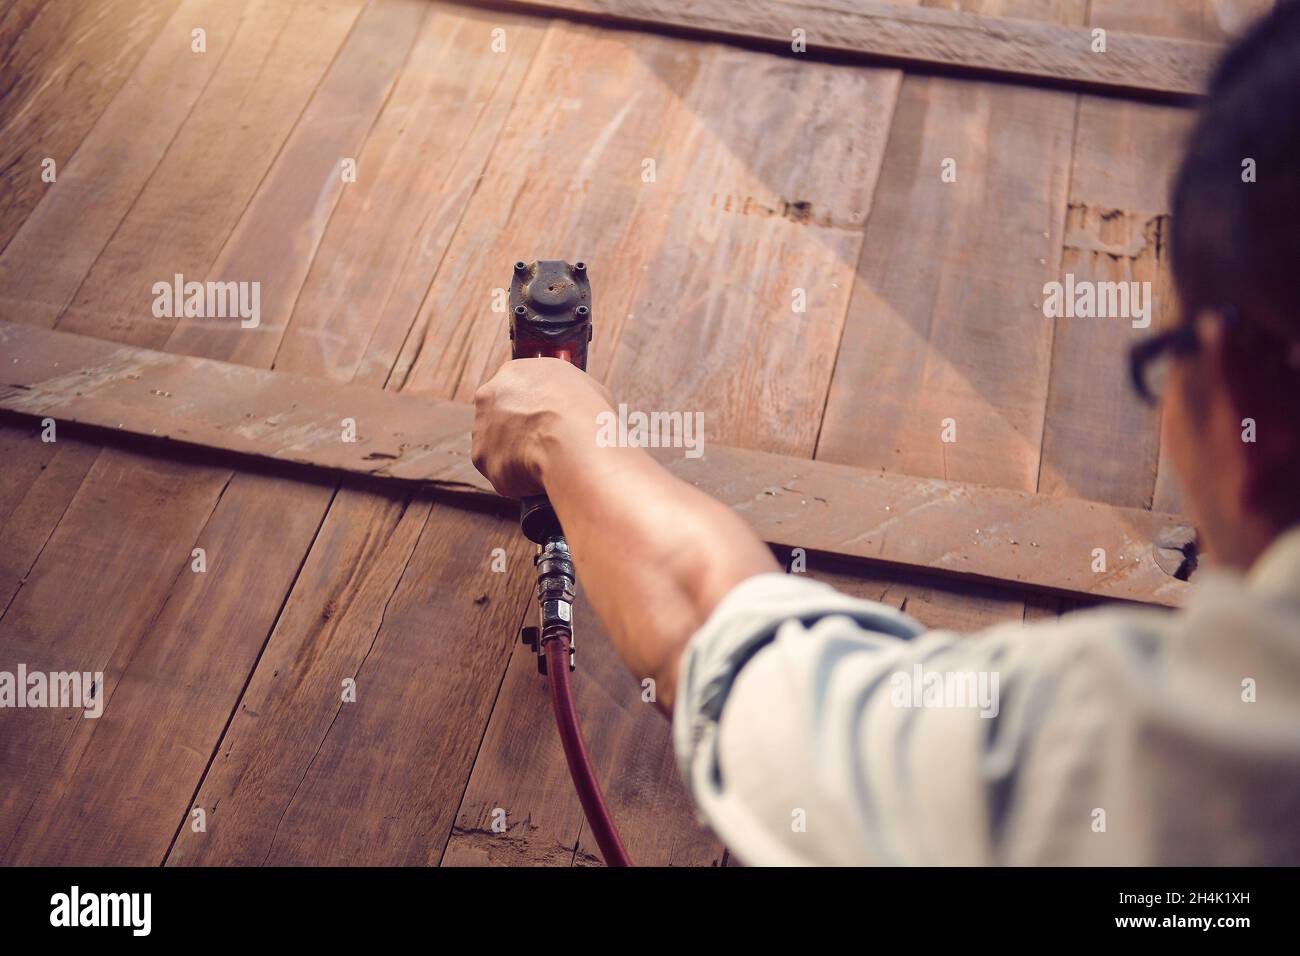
[1149, 359]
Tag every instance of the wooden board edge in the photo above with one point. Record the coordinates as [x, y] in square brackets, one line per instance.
[960, 530]
[923, 38]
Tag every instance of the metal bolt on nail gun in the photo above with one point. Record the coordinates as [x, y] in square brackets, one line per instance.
[550, 317]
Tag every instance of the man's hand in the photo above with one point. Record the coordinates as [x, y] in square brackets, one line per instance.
[654, 554]
[528, 409]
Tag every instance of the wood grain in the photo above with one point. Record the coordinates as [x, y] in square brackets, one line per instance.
[593, 109]
[45, 263]
[40, 481]
[944, 321]
[737, 313]
[942, 327]
[960, 529]
[589, 121]
[58, 622]
[1017, 49]
[380, 562]
[1099, 440]
[383, 585]
[63, 64]
[197, 194]
[122, 784]
[239, 615]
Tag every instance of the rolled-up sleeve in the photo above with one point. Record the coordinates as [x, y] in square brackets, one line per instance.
[799, 729]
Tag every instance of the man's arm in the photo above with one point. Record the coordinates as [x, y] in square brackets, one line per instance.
[805, 725]
[654, 555]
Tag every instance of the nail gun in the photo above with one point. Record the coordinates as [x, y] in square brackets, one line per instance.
[550, 317]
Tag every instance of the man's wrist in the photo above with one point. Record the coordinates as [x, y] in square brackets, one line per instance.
[560, 436]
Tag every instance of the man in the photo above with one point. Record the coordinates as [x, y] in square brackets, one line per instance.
[1118, 735]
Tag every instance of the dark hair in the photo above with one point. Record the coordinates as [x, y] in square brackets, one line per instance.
[1236, 245]
[1237, 242]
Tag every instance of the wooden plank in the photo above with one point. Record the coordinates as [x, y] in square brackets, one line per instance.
[961, 529]
[1216, 22]
[595, 107]
[926, 37]
[758, 250]
[50, 499]
[71, 227]
[297, 197]
[735, 317]
[373, 781]
[590, 128]
[57, 621]
[43, 265]
[392, 228]
[521, 769]
[1099, 440]
[34, 503]
[122, 784]
[265, 793]
[240, 611]
[63, 64]
[941, 329]
[17, 476]
[938, 603]
[321, 637]
[945, 320]
[208, 176]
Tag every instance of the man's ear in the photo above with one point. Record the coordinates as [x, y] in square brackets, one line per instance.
[1207, 378]
[1212, 337]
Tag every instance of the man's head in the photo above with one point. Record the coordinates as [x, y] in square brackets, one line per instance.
[1236, 258]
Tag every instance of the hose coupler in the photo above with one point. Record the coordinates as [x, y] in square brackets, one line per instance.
[556, 591]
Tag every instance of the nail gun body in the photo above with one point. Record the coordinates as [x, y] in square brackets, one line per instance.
[550, 317]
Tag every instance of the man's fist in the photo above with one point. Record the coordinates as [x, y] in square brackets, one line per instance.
[528, 411]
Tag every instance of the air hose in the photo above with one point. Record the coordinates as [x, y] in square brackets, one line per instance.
[575, 752]
[553, 642]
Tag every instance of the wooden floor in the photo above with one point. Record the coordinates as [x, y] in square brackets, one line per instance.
[223, 689]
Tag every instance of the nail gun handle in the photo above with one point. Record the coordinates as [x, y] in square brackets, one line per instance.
[550, 317]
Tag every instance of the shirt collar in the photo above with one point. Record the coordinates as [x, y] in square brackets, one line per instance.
[1277, 570]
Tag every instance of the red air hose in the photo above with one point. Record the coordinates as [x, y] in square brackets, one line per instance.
[575, 752]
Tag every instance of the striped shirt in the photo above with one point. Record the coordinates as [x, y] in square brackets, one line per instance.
[815, 728]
